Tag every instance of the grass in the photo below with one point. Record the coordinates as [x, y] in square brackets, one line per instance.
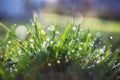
[51, 50]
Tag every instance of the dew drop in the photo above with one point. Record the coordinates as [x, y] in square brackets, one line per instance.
[33, 24]
[77, 39]
[68, 53]
[73, 50]
[57, 32]
[101, 51]
[49, 64]
[80, 48]
[14, 24]
[47, 39]
[98, 61]
[9, 42]
[42, 32]
[98, 34]
[58, 61]
[51, 42]
[21, 32]
[11, 69]
[74, 28]
[111, 37]
[31, 40]
[81, 43]
[51, 28]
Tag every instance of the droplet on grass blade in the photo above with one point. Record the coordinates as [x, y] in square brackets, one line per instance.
[9, 42]
[98, 61]
[33, 24]
[44, 44]
[81, 43]
[31, 40]
[58, 61]
[48, 39]
[73, 51]
[98, 34]
[51, 42]
[21, 32]
[79, 20]
[51, 28]
[80, 48]
[74, 28]
[42, 32]
[111, 37]
[49, 64]
[101, 51]
[57, 32]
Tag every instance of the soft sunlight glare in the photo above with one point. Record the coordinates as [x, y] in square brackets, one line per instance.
[21, 32]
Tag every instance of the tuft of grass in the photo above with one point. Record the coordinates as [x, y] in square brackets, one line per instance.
[24, 59]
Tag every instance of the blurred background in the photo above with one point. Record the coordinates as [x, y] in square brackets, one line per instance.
[97, 15]
[23, 9]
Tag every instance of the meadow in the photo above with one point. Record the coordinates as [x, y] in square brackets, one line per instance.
[69, 51]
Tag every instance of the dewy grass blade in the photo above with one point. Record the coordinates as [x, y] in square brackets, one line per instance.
[5, 27]
[62, 39]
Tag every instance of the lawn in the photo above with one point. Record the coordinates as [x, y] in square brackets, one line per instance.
[62, 50]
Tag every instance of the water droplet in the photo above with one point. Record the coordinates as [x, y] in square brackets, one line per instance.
[77, 39]
[98, 61]
[44, 44]
[80, 48]
[13, 65]
[14, 24]
[111, 37]
[51, 28]
[9, 42]
[42, 32]
[19, 50]
[47, 39]
[78, 21]
[91, 43]
[73, 51]
[49, 64]
[11, 69]
[104, 47]
[57, 32]
[81, 43]
[31, 40]
[98, 34]
[51, 42]
[68, 53]
[58, 61]
[21, 32]
[33, 24]
[74, 28]
[101, 51]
